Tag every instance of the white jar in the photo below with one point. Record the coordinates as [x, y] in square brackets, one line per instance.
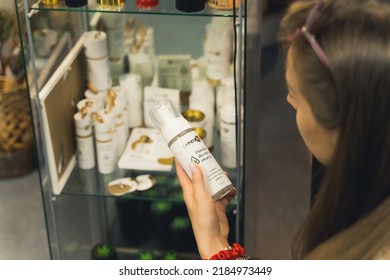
[202, 92]
[217, 52]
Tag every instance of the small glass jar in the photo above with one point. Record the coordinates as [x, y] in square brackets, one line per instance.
[52, 2]
[190, 6]
[223, 4]
[76, 3]
[196, 118]
[146, 4]
[111, 4]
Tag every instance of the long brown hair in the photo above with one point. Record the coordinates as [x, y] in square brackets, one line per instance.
[352, 96]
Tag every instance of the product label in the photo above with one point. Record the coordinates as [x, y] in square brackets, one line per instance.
[190, 148]
[202, 154]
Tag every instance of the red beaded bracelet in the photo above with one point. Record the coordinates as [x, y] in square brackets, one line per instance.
[231, 253]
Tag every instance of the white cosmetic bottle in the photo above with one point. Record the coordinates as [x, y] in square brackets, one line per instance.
[84, 139]
[96, 52]
[228, 131]
[188, 147]
[218, 50]
[116, 101]
[131, 84]
[105, 141]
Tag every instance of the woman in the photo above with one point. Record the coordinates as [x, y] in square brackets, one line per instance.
[338, 77]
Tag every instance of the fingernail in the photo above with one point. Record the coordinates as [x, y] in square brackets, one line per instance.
[193, 167]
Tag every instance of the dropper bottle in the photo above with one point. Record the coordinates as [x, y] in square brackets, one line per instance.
[188, 147]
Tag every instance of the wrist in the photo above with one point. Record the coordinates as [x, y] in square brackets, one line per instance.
[213, 247]
[235, 252]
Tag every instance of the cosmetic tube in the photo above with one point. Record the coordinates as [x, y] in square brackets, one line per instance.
[84, 139]
[217, 51]
[119, 105]
[96, 52]
[105, 144]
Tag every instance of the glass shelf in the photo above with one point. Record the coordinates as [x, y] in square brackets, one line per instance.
[92, 183]
[165, 7]
[167, 187]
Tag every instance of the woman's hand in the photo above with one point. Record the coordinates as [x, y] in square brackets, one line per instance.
[208, 218]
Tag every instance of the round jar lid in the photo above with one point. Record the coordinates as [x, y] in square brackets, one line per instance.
[76, 3]
[145, 182]
[190, 6]
[122, 186]
[147, 3]
[50, 2]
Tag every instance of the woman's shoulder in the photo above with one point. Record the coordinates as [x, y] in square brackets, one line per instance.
[383, 254]
[369, 238]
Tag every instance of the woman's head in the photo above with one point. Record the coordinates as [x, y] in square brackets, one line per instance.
[319, 139]
[350, 99]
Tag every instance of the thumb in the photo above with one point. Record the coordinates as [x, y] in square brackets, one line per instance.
[197, 181]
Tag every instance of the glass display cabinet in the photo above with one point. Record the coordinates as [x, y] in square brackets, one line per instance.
[114, 193]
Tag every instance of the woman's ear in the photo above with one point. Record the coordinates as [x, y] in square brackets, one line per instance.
[292, 101]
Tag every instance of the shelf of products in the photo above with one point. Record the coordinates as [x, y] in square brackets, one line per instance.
[130, 7]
